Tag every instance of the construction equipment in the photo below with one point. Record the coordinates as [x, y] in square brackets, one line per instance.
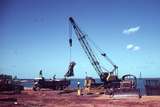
[70, 71]
[40, 83]
[109, 78]
[7, 83]
[54, 83]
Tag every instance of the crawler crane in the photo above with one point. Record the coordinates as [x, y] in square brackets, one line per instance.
[109, 79]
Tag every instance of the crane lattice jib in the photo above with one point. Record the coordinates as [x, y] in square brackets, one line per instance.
[86, 47]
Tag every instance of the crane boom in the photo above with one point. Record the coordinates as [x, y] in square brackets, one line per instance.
[104, 76]
[85, 45]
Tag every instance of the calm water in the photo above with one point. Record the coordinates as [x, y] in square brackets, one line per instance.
[140, 83]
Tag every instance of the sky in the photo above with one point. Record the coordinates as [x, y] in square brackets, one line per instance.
[34, 36]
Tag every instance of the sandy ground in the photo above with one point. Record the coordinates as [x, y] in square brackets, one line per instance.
[49, 98]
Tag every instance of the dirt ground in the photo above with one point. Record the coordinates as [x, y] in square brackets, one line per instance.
[49, 98]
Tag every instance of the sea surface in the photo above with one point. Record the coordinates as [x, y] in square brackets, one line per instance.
[140, 83]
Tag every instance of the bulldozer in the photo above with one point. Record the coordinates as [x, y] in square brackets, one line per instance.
[7, 83]
[54, 84]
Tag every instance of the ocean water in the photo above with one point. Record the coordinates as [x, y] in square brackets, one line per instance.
[29, 82]
[140, 83]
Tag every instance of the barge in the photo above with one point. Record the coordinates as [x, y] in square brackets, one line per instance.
[152, 86]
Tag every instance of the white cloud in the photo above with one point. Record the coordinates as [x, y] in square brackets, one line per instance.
[132, 47]
[129, 46]
[131, 30]
[136, 48]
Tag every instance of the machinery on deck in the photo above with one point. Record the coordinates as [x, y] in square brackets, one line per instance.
[110, 80]
[40, 83]
[54, 83]
[7, 83]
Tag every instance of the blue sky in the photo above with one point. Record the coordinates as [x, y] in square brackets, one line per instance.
[34, 36]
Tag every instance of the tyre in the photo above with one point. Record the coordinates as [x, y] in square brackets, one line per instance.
[36, 87]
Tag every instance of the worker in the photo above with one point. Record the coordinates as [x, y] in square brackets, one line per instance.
[111, 92]
[40, 74]
[78, 89]
[78, 84]
[54, 77]
[88, 85]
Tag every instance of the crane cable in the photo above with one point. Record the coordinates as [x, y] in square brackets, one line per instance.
[99, 50]
[70, 41]
[97, 47]
[103, 54]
